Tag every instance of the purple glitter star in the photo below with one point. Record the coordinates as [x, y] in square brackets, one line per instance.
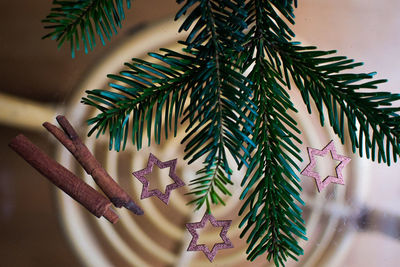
[140, 175]
[308, 171]
[192, 230]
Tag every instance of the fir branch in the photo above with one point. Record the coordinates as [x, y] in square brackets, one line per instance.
[77, 21]
[271, 216]
[246, 117]
[373, 126]
[141, 90]
[215, 125]
[205, 187]
[218, 95]
[209, 76]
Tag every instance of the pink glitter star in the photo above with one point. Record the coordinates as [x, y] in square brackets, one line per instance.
[202, 247]
[308, 171]
[140, 175]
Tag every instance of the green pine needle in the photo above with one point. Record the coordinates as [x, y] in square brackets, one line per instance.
[208, 76]
[272, 217]
[248, 118]
[373, 125]
[218, 97]
[142, 90]
[78, 22]
[271, 192]
[209, 186]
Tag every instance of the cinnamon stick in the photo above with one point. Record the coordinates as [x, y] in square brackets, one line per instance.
[70, 139]
[92, 200]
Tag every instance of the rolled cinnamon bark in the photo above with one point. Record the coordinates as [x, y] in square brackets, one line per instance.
[78, 149]
[92, 200]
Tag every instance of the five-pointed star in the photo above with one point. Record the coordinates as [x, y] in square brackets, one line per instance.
[140, 175]
[308, 171]
[193, 246]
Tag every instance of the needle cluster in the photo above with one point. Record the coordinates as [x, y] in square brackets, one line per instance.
[229, 114]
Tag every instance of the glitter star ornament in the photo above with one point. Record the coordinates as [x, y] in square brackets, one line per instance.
[322, 183]
[193, 246]
[141, 176]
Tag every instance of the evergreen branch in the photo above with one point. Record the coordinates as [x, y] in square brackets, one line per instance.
[218, 96]
[217, 23]
[271, 216]
[139, 91]
[217, 92]
[77, 21]
[208, 187]
[373, 126]
[229, 114]
[215, 125]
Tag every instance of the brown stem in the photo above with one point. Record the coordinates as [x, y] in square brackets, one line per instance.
[78, 149]
[63, 178]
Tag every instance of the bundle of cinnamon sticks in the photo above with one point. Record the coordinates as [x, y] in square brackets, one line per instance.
[92, 200]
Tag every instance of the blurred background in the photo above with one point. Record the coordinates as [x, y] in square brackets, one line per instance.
[354, 225]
